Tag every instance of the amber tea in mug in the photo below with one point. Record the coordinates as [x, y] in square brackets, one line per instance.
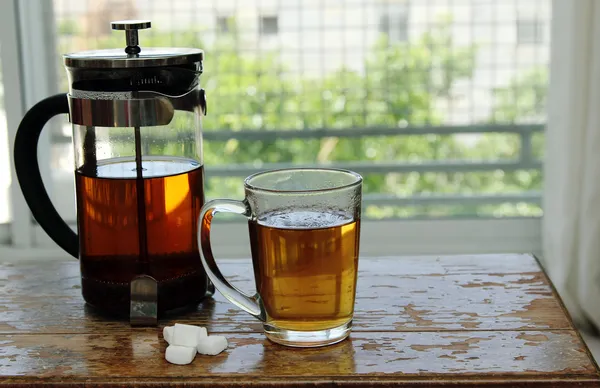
[304, 227]
[306, 273]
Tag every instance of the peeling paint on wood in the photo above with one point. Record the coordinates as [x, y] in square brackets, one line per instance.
[411, 353]
[490, 321]
[425, 294]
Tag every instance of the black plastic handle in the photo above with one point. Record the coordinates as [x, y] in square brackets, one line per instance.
[28, 172]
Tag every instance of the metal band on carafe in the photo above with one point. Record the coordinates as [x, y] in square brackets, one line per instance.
[131, 112]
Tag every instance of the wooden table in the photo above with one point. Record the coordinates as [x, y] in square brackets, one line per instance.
[492, 321]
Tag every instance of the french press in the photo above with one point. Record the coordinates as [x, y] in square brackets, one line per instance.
[137, 136]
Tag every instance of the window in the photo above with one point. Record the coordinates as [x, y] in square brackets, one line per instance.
[393, 21]
[269, 25]
[530, 31]
[447, 133]
[223, 24]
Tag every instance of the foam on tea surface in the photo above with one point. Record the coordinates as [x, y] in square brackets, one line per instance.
[305, 219]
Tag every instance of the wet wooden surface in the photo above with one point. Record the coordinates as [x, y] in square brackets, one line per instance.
[428, 321]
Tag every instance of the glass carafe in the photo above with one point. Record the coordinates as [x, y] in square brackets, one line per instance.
[139, 177]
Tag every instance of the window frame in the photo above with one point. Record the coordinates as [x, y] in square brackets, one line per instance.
[27, 46]
[24, 26]
[19, 228]
[378, 238]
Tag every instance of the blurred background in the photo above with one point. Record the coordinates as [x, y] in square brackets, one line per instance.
[440, 104]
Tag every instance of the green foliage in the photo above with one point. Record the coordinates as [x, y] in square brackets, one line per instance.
[523, 100]
[67, 27]
[400, 86]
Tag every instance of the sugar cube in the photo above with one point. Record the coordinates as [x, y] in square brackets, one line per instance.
[168, 334]
[202, 333]
[180, 355]
[185, 335]
[212, 345]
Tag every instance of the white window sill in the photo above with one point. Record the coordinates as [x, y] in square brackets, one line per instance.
[378, 238]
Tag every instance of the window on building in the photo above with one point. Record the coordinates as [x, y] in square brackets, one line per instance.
[393, 21]
[530, 31]
[269, 25]
[223, 23]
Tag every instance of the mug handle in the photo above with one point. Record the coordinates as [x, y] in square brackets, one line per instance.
[252, 304]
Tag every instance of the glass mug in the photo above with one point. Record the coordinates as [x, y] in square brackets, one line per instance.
[304, 227]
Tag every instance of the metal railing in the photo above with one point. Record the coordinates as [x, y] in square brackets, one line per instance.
[524, 161]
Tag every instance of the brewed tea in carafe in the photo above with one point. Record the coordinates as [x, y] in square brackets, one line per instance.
[131, 225]
[139, 177]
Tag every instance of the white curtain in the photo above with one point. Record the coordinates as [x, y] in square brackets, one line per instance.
[571, 228]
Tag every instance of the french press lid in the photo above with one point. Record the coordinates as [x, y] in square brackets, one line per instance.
[135, 86]
[133, 55]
